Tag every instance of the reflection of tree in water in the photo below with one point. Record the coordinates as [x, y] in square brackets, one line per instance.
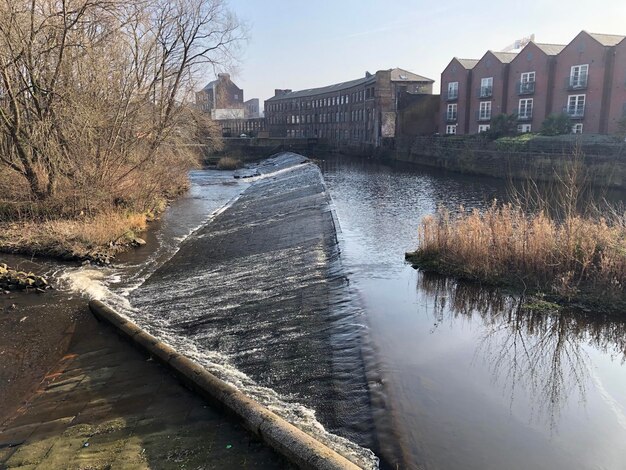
[540, 351]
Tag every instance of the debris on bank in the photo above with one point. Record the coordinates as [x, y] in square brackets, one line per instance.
[12, 280]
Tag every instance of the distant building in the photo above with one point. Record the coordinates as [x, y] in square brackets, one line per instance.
[252, 109]
[585, 79]
[361, 111]
[222, 99]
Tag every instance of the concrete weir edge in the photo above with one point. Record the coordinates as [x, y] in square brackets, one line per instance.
[286, 439]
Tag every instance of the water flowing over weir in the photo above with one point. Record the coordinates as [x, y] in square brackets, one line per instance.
[258, 295]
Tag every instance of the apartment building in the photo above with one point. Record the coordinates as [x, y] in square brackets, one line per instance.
[361, 111]
[585, 79]
[456, 85]
[490, 89]
[531, 80]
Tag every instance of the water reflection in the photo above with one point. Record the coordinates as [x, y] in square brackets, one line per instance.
[535, 350]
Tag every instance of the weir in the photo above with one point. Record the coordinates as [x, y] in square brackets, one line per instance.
[259, 297]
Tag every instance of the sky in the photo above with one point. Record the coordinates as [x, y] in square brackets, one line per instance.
[301, 44]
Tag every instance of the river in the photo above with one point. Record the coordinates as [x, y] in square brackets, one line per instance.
[427, 372]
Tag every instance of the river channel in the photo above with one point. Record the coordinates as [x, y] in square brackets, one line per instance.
[427, 372]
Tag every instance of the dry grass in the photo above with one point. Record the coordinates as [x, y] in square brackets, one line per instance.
[96, 238]
[578, 259]
[229, 163]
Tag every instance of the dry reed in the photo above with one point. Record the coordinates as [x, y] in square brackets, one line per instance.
[579, 259]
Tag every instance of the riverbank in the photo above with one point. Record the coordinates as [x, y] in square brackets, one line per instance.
[98, 238]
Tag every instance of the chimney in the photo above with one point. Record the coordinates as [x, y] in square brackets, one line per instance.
[223, 76]
[278, 92]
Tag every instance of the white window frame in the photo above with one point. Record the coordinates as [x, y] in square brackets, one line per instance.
[525, 108]
[451, 129]
[453, 90]
[452, 112]
[484, 111]
[486, 82]
[574, 103]
[577, 128]
[524, 128]
[483, 127]
[578, 74]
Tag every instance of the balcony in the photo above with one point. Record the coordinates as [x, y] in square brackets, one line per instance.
[452, 96]
[575, 112]
[485, 92]
[450, 117]
[574, 83]
[525, 88]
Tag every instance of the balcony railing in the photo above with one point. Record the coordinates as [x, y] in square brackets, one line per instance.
[576, 83]
[575, 112]
[526, 88]
[450, 117]
[485, 92]
[527, 116]
[452, 96]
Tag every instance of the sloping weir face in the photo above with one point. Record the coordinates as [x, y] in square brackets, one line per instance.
[262, 284]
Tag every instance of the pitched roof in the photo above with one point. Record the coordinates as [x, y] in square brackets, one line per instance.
[607, 39]
[396, 75]
[504, 57]
[401, 75]
[467, 63]
[550, 49]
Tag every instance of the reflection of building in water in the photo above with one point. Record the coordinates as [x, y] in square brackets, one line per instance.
[540, 350]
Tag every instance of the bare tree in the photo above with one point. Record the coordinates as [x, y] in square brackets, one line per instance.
[95, 94]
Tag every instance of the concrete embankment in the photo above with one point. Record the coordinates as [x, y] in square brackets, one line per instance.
[102, 405]
[283, 437]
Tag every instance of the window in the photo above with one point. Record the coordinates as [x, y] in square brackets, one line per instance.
[577, 128]
[236, 96]
[578, 76]
[527, 83]
[484, 114]
[523, 128]
[451, 112]
[525, 110]
[576, 105]
[453, 90]
[486, 87]
[451, 129]
[483, 128]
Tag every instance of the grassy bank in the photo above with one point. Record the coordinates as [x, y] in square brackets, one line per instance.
[96, 238]
[579, 260]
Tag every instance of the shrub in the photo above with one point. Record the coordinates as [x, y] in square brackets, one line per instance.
[229, 163]
[557, 124]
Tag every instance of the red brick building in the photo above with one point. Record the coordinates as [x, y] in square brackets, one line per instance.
[489, 92]
[531, 81]
[357, 112]
[585, 79]
[456, 85]
[617, 110]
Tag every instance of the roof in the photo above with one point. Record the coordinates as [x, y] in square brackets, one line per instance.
[504, 57]
[401, 75]
[396, 76]
[607, 39]
[467, 63]
[210, 85]
[550, 49]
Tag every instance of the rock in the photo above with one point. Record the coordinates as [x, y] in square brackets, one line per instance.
[139, 241]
